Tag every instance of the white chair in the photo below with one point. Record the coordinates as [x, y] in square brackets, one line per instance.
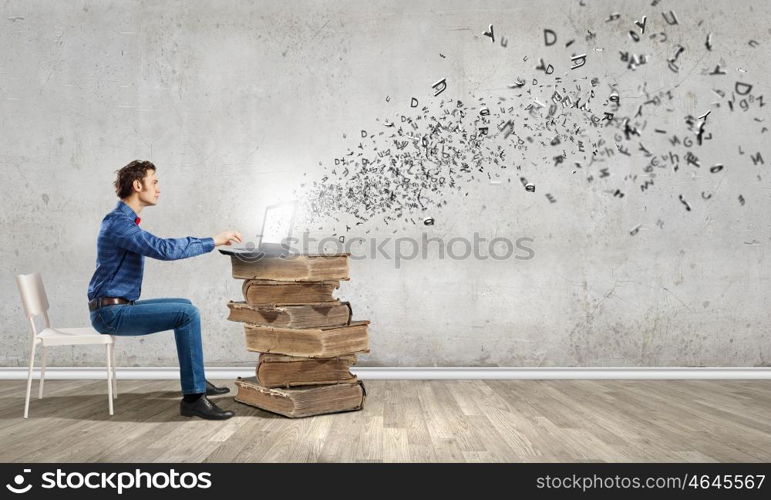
[35, 301]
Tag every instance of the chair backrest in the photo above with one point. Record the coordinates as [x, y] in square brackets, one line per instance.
[33, 297]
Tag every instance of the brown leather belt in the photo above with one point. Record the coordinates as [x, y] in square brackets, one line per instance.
[98, 302]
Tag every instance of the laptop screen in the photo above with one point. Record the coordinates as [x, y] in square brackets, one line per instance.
[277, 226]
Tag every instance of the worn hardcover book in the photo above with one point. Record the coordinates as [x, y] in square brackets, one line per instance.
[301, 401]
[323, 314]
[292, 268]
[308, 342]
[276, 370]
[266, 292]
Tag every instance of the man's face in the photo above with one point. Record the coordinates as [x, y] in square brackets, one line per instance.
[150, 191]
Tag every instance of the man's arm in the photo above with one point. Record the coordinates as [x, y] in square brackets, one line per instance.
[129, 236]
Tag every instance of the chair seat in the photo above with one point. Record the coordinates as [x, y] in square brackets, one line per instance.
[72, 336]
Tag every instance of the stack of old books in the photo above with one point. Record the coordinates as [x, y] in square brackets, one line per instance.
[305, 337]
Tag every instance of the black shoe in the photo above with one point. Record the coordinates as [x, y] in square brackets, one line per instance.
[203, 408]
[212, 390]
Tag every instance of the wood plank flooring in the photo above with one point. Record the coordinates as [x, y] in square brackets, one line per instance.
[402, 421]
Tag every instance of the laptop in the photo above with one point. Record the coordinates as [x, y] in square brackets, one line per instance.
[276, 229]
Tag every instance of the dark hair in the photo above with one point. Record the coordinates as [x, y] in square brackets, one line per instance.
[136, 170]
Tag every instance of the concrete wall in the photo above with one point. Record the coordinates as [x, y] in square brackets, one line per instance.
[248, 103]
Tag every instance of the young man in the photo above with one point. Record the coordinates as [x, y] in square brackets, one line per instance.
[117, 282]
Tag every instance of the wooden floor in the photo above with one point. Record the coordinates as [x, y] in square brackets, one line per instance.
[402, 421]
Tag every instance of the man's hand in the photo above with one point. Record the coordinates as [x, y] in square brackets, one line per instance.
[225, 237]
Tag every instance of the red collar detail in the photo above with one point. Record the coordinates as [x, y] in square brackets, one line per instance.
[137, 221]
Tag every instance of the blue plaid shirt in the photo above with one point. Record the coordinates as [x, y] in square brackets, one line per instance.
[121, 249]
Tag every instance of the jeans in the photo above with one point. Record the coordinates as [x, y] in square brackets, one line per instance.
[158, 315]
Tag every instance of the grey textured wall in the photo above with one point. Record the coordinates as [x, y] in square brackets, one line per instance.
[248, 103]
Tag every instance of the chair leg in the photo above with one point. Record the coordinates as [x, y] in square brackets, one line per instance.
[29, 380]
[109, 376]
[43, 371]
[114, 377]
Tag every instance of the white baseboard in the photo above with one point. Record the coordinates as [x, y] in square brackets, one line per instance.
[422, 373]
